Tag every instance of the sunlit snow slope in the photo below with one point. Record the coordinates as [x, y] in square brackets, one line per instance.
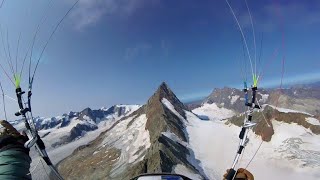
[292, 153]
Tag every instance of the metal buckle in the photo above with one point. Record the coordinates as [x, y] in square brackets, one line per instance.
[249, 124]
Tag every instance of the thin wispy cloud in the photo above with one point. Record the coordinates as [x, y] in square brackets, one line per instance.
[90, 12]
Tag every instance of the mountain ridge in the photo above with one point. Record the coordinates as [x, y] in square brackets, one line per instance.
[157, 154]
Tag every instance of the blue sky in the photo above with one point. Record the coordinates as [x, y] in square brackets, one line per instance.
[119, 51]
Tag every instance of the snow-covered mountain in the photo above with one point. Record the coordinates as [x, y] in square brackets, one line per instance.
[63, 134]
[305, 98]
[152, 139]
[288, 131]
[164, 136]
[60, 130]
[232, 98]
[289, 151]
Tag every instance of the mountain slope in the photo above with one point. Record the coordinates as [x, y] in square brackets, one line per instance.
[233, 99]
[292, 152]
[290, 146]
[56, 134]
[152, 139]
[305, 98]
[163, 136]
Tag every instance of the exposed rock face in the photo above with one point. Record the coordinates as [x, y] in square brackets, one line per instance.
[161, 119]
[271, 114]
[233, 99]
[306, 99]
[91, 114]
[161, 154]
[96, 115]
[77, 131]
[119, 110]
[304, 92]
[52, 122]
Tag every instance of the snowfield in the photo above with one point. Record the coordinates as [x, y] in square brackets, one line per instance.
[213, 112]
[293, 153]
[61, 152]
[129, 139]
[284, 110]
[191, 158]
[313, 121]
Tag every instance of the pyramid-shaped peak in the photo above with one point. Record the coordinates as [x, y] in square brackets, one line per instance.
[164, 87]
[164, 92]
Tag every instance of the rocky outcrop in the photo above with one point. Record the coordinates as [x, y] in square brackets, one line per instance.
[272, 114]
[160, 118]
[306, 100]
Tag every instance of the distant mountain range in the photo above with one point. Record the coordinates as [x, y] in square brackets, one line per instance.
[197, 140]
[73, 125]
[309, 85]
[304, 98]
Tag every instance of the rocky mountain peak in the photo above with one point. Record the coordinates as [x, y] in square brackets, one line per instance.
[232, 98]
[94, 115]
[119, 110]
[159, 120]
[163, 86]
[165, 115]
[87, 111]
[164, 92]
